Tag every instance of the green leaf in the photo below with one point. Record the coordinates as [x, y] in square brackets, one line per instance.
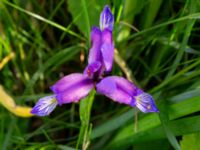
[43, 19]
[150, 13]
[188, 106]
[191, 141]
[164, 118]
[112, 124]
[155, 145]
[130, 9]
[58, 58]
[178, 127]
[84, 13]
[151, 121]
[85, 111]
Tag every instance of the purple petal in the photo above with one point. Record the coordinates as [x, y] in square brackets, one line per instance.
[74, 90]
[106, 19]
[45, 106]
[107, 49]
[125, 85]
[91, 69]
[94, 53]
[146, 103]
[110, 87]
[68, 82]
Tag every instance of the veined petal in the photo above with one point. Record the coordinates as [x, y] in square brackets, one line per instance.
[107, 49]
[145, 103]
[76, 91]
[109, 87]
[45, 106]
[91, 69]
[94, 52]
[125, 85]
[106, 19]
[68, 81]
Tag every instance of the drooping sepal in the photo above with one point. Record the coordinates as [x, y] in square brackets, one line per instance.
[123, 91]
[111, 87]
[45, 106]
[72, 88]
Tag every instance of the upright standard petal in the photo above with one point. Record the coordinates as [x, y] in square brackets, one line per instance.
[45, 106]
[114, 90]
[146, 103]
[107, 49]
[106, 19]
[72, 88]
[94, 52]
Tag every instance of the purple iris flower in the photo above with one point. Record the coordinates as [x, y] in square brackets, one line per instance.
[76, 86]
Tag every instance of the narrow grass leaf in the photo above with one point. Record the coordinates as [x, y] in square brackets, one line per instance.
[62, 55]
[85, 112]
[43, 19]
[191, 141]
[178, 127]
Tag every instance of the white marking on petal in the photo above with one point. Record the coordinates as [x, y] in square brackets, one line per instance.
[45, 106]
[145, 103]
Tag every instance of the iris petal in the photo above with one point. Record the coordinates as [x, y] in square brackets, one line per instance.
[94, 53]
[76, 91]
[123, 91]
[93, 68]
[107, 49]
[106, 19]
[125, 85]
[110, 88]
[45, 106]
[146, 103]
[67, 82]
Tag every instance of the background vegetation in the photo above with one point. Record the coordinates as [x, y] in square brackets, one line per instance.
[41, 41]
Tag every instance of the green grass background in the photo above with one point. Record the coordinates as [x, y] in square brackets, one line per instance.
[158, 40]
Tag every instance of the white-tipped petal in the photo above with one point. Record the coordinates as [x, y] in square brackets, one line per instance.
[45, 106]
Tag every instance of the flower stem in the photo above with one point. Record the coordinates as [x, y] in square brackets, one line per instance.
[86, 127]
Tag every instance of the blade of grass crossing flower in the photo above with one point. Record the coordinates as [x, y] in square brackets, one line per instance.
[85, 112]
